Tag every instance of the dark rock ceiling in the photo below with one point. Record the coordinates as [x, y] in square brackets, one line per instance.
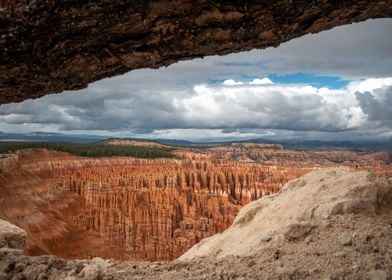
[51, 46]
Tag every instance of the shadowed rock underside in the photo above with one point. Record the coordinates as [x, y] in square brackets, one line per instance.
[51, 46]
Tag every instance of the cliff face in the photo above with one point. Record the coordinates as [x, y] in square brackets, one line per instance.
[51, 46]
[128, 208]
[275, 155]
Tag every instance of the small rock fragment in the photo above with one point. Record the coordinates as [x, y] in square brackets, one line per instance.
[345, 239]
[308, 239]
[378, 275]
[298, 231]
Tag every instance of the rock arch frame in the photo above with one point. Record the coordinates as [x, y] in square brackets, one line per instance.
[52, 46]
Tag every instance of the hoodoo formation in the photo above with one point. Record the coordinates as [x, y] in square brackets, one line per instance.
[327, 224]
[127, 208]
[146, 209]
[51, 46]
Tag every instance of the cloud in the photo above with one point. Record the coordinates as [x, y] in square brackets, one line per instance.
[273, 106]
[231, 82]
[357, 51]
[377, 106]
[244, 109]
[263, 81]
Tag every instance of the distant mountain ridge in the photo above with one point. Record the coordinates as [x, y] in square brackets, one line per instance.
[39, 136]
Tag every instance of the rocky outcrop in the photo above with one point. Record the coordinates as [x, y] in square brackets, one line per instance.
[328, 224]
[128, 208]
[51, 46]
[11, 236]
[14, 263]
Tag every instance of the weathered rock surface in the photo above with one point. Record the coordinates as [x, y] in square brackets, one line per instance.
[11, 236]
[17, 266]
[311, 199]
[307, 207]
[51, 46]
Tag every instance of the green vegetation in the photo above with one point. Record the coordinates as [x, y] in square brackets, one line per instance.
[90, 149]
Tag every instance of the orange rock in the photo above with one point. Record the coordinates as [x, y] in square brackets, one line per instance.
[146, 209]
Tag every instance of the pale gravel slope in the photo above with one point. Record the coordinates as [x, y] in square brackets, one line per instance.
[299, 208]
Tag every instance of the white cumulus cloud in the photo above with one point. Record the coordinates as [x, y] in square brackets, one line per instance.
[231, 82]
[263, 81]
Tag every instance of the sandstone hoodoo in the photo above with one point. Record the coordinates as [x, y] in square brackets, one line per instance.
[125, 207]
[145, 209]
[330, 223]
[52, 46]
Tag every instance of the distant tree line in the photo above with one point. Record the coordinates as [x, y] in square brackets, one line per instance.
[91, 149]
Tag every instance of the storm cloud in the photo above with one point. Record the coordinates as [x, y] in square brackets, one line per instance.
[227, 107]
[377, 106]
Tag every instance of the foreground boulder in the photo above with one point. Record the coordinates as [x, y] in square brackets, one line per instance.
[11, 236]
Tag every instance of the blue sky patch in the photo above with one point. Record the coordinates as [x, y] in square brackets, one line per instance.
[332, 82]
[314, 80]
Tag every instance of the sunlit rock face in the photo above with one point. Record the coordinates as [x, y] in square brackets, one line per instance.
[51, 46]
[141, 209]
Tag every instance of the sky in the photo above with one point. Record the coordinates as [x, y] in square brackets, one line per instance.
[335, 85]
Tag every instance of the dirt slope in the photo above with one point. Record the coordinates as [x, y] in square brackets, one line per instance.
[299, 209]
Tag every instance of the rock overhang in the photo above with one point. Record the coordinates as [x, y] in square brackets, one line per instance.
[52, 46]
